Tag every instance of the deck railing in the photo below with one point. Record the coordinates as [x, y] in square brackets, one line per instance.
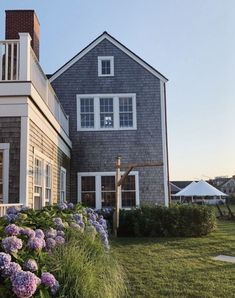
[9, 60]
[19, 63]
[4, 207]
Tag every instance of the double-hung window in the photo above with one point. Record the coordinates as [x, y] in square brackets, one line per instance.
[97, 190]
[126, 111]
[87, 112]
[42, 187]
[105, 66]
[106, 112]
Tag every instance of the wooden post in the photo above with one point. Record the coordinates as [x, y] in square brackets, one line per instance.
[117, 196]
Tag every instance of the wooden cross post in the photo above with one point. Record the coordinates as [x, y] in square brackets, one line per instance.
[119, 180]
[117, 196]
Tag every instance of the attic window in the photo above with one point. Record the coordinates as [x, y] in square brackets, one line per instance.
[105, 66]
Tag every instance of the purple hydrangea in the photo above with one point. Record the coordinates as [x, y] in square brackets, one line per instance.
[12, 269]
[11, 244]
[28, 232]
[39, 233]
[36, 243]
[12, 230]
[81, 224]
[10, 217]
[77, 217]
[31, 265]
[48, 279]
[12, 210]
[89, 210]
[103, 222]
[51, 233]
[50, 243]
[62, 206]
[55, 288]
[24, 284]
[5, 260]
[59, 240]
[70, 205]
[93, 216]
[60, 233]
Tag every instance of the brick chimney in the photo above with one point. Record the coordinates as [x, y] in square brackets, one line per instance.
[20, 21]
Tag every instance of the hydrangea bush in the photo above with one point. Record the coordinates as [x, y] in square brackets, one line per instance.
[28, 236]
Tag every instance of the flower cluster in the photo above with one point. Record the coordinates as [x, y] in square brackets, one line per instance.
[24, 283]
[12, 244]
[23, 246]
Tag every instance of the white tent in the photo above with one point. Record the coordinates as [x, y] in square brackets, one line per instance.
[200, 189]
[182, 191]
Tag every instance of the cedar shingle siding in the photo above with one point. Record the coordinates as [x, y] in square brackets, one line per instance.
[95, 151]
[10, 133]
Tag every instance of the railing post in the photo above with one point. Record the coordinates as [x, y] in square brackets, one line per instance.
[24, 61]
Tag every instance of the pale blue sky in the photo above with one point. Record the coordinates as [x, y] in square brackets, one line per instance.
[192, 42]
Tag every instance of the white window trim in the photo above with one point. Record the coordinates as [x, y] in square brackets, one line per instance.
[116, 124]
[45, 160]
[98, 176]
[63, 170]
[100, 59]
[5, 147]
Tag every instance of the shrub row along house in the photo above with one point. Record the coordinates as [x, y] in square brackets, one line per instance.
[59, 137]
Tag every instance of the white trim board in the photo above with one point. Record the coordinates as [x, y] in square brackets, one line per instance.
[105, 35]
[164, 144]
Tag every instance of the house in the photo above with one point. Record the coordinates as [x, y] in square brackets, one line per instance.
[116, 106]
[35, 147]
[103, 103]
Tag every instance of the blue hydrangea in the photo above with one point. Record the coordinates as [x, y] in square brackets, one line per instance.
[55, 288]
[70, 205]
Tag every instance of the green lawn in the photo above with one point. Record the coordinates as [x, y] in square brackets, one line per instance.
[179, 267]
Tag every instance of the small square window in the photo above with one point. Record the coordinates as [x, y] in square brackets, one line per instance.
[105, 66]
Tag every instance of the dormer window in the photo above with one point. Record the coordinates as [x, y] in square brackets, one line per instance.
[105, 66]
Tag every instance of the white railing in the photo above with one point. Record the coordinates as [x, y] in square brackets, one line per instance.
[19, 63]
[4, 207]
[9, 60]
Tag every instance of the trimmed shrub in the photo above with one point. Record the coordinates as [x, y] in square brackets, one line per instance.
[158, 221]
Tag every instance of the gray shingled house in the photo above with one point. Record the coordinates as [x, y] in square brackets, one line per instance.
[116, 104]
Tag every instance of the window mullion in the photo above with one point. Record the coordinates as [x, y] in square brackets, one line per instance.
[116, 112]
[97, 112]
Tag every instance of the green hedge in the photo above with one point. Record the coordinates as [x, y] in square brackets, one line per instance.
[157, 221]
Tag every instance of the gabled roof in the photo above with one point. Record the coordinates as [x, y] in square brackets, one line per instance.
[119, 45]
